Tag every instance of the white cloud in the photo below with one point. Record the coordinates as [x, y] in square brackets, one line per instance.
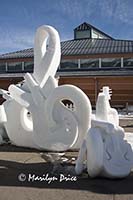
[118, 10]
[121, 10]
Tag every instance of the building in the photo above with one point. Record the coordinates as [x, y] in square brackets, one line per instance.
[91, 60]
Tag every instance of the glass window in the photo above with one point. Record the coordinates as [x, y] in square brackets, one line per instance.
[111, 62]
[95, 34]
[2, 67]
[14, 67]
[28, 66]
[128, 62]
[82, 34]
[89, 63]
[69, 64]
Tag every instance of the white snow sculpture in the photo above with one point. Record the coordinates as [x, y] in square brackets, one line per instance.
[33, 114]
[104, 147]
[103, 108]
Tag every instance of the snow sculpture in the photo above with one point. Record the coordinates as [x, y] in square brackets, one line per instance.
[103, 108]
[33, 114]
[107, 153]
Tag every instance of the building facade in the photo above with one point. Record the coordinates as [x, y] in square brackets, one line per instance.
[91, 60]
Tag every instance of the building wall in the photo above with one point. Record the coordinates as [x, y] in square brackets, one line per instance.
[122, 88]
[5, 82]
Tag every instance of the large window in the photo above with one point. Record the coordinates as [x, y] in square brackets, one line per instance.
[2, 67]
[128, 62]
[69, 64]
[28, 66]
[110, 62]
[82, 34]
[89, 63]
[96, 63]
[14, 67]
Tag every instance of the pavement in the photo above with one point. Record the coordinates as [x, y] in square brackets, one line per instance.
[29, 174]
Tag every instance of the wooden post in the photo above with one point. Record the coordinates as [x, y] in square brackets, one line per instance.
[127, 108]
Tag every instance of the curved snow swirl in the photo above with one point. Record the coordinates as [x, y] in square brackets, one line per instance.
[81, 111]
[16, 126]
[92, 151]
[51, 124]
[64, 124]
[47, 53]
[108, 154]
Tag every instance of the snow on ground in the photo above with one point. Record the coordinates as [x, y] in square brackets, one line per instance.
[129, 138]
[124, 115]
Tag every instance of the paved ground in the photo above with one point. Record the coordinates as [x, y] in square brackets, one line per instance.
[19, 167]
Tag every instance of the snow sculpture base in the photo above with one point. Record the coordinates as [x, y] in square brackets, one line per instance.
[107, 152]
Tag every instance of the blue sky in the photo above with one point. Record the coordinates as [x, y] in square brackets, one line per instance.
[20, 18]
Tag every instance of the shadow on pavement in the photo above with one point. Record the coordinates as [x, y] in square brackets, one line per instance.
[12, 148]
[10, 171]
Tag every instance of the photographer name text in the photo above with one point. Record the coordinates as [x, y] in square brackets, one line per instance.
[46, 178]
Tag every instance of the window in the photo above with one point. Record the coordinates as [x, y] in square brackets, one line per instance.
[14, 67]
[89, 63]
[28, 66]
[82, 34]
[128, 62]
[111, 62]
[95, 34]
[2, 67]
[69, 64]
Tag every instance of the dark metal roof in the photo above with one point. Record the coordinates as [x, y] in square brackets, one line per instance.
[26, 53]
[96, 46]
[85, 26]
[81, 47]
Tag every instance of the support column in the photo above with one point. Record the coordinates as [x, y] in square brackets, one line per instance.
[96, 88]
[122, 65]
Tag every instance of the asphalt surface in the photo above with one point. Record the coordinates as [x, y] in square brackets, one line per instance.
[28, 174]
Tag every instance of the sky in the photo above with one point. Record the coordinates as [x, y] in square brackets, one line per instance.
[19, 19]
